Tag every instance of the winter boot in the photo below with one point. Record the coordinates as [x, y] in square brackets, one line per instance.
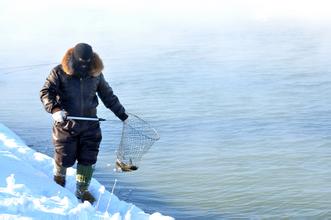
[83, 179]
[60, 175]
[61, 180]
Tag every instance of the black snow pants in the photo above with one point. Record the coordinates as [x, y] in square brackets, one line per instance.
[76, 141]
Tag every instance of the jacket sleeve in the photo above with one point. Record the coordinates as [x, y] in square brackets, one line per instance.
[49, 92]
[110, 100]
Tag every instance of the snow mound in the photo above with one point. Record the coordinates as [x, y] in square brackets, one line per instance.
[27, 189]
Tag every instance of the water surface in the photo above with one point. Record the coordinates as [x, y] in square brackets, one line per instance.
[243, 114]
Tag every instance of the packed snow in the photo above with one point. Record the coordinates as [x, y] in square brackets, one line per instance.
[27, 189]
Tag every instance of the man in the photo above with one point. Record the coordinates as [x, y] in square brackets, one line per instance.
[71, 89]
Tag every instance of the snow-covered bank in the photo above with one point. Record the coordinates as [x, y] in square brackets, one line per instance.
[27, 190]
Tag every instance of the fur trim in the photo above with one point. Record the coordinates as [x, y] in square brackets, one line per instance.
[67, 64]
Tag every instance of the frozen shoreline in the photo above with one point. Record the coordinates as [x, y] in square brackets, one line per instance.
[27, 189]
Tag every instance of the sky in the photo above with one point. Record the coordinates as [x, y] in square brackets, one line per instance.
[39, 13]
[27, 24]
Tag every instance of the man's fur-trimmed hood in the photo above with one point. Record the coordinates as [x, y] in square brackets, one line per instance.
[67, 64]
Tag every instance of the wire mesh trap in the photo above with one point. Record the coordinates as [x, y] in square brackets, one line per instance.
[137, 138]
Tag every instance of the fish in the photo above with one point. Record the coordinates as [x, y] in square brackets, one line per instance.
[125, 167]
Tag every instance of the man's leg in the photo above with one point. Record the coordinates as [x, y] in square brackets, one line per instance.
[65, 146]
[87, 157]
[83, 179]
[60, 174]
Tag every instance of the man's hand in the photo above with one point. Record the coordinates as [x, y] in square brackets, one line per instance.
[59, 115]
[125, 116]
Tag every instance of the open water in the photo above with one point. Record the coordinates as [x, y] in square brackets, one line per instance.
[244, 116]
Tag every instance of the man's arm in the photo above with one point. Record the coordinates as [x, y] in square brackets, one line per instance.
[49, 92]
[110, 100]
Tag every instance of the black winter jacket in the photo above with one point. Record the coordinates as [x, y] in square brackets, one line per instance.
[66, 89]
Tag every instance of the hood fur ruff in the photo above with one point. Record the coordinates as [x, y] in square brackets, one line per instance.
[67, 64]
